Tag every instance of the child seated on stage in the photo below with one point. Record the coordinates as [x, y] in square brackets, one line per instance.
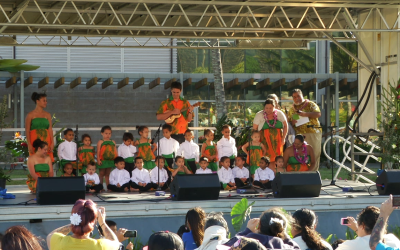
[225, 174]
[159, 170]
[264, 175]
[226, 146]
[168, 146]
[203, 166]
[92, 180]
[181, 169]
[279, 162]
[190, 151]
[140, 180]
[68, 170]
[240, 173]
[127, 151]
[119, 177]
[67, 150]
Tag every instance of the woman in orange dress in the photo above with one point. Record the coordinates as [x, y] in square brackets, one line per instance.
[299, 156]
[38, 125]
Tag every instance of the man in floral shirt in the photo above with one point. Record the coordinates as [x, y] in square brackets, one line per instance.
[306, 108]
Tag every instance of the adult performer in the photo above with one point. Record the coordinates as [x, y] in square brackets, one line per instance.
[176, 105]
[38, 125]
[273, 126]
[299, 156]
[306, 108]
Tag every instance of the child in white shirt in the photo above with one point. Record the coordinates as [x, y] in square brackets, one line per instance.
[240, 173]
[140, 180]
[127, 151]
[225, 175]
[226, 146]
[119, 177]
[264, 175]
[92, 180]
[190, 151]
[159, 174]
[67, 150]
[203, 166]
[168, 146]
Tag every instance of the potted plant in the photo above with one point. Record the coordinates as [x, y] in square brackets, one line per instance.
[5, 157]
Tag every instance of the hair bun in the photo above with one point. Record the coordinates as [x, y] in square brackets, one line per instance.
[37, 143]
[34, 96]
[137, 127]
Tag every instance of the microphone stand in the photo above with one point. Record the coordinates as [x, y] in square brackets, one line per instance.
[157, 134]
[250, 184]
[333, 182]
[77, 150]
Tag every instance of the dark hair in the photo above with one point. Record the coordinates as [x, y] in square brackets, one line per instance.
[176, 85]
[271, 227]
[203, 159]
[255, 132]
[36, 96]
[296, 91]
[118, 159]
[305, 221]
[275, 98]
[111, 223]
[270, 101]
[189, 131]
[300, 138]
[18, 237]
[39, 144]
[86, 135]
[226, 126]
[104, 128]
[337, 243]
[138, 158]
[242, 157]
[91, 163]
[278, 157]
[216, 219]
[68, 130]
[140, 129]
[223, 158]
[368, 217]
[178, 157]
[265, 159]
[207, 131]
[195, 218]
[167, 126]
[127, 136]
[182, 229]
[66, 164]
[87, 209]
[159, 157]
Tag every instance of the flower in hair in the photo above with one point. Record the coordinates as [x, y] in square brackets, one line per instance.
[75, 219]
[275, 220]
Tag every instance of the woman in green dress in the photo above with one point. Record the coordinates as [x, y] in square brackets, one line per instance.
[300, 156]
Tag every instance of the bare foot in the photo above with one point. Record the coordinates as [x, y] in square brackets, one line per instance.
[92, 190]
[134, 190]
[126, 189]
[109, 190]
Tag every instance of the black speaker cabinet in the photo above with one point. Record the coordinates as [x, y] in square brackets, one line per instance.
[388, 182]
[297, 184]
[195, 187]
[60, 190]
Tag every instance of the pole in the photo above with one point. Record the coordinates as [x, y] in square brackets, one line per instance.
[22, 103]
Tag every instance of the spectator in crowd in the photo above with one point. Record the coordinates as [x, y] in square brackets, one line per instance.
[182, 229]
[363, 227]
[336, 244]
[378, 232]
[215, 231]
[84, 216]
[119, 233]
[195, 223]
[19, 238]
[164, 240]
[303, 230]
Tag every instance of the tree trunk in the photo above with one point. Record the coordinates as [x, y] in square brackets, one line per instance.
[220, 101]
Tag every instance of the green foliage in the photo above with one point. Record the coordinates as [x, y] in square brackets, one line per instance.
[240, 212]
[137, 243]
[395, 230]
[331, 238]
[252, 65]
[3, 115]
[16, 65]
[270, 60]
[239, 68]
[5, 156]
[350, 234]
[341, 61]
[200, 70]
[299, 61]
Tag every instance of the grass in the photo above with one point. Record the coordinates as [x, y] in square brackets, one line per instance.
[344, 175]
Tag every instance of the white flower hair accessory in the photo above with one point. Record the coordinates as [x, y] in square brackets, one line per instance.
[276, 220]
[75, 219]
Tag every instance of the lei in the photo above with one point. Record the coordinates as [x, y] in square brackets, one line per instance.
[303, 106]
[301, 159]
[275, 119]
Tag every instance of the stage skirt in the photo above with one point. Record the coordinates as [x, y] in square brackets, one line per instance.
[272, 139]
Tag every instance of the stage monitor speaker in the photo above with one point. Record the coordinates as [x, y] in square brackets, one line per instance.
[388, 182]
[60, 190]
[195, 187]
[296, 184]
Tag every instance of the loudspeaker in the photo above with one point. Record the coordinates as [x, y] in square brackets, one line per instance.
[296, 184]
[60, 190]
[388, 182]
[195, 187]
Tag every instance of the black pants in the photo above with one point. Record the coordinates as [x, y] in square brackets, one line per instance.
[170, 162]
[165, 186]
[97, 188]
[192, 166]
[179, 137]
[232, 163]
[261, 185]
[142, 189]
[129, 167]
[114, 188]
[239, 183]
[222, 186]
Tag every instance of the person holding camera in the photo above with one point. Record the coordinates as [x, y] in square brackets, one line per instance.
[84, 216]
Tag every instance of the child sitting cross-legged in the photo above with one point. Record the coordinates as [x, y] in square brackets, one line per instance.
[119, 177]
[240, 173]
[225, 174]
[140, 180]
[264, 175]
[92, 180]
[68, 170]
[203, 166]
[159, 174]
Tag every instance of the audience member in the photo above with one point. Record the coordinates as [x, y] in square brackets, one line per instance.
[195, 223]
[336, 244]
[119, 233]
[215, 231]
[164, 240]
[19, 238]
[182, 229]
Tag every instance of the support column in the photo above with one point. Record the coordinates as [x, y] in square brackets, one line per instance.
[15, 104]
[22, 102]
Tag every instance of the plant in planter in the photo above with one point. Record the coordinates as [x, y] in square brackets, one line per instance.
[5, 157]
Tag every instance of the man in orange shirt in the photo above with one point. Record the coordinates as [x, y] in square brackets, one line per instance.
[173, 106]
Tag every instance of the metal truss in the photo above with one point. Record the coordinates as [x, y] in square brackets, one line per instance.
[188, 24]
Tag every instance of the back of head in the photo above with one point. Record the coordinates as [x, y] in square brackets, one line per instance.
[37, 96]
[305, 221]
[273, 223]
[248, 244]
[368, 217]
[216, 219]
[39, 144]
[195, 218]
[165, 240]
[19, 238]
[87, 210]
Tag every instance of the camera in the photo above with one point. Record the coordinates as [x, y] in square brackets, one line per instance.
[130, 234]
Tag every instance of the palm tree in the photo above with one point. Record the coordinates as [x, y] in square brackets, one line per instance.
[220, 101]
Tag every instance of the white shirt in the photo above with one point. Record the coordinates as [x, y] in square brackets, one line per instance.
[154, 175]
[126, 151]
[226, 147]
[189, 150]
[67, 151]
[168, 146]
[203, 171]
[303, 245]
[262, 175]
[120, 176]
[142, 176]
[240, 172]
[94, 177]
[225, 175]
[363, 242]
